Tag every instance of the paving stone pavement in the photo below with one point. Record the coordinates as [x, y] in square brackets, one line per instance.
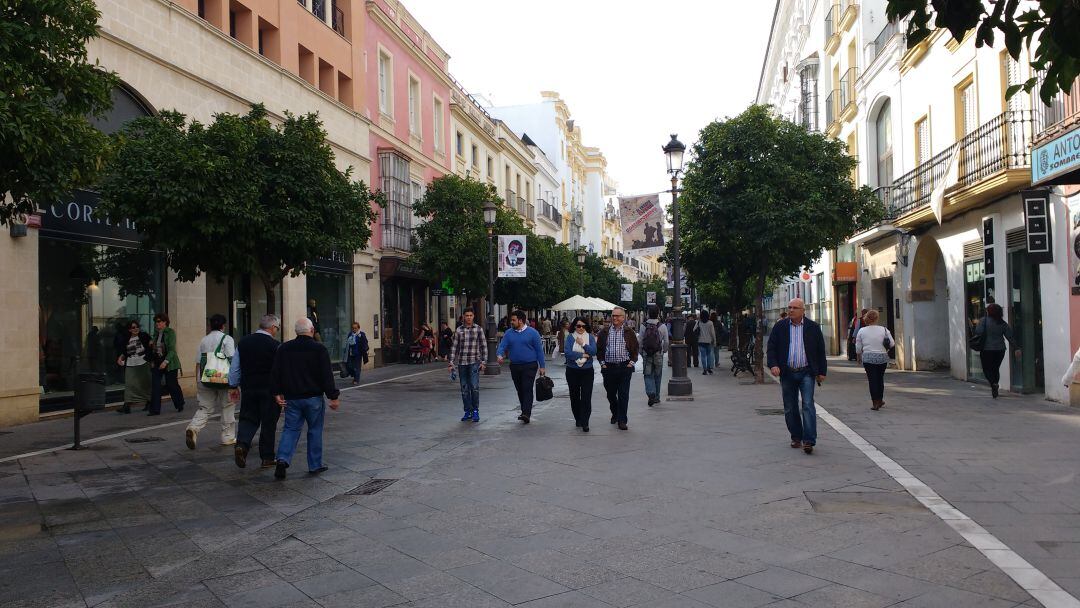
[699, 504]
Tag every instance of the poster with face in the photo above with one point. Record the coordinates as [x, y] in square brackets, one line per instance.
[1074, 245]
[642, 224]
[512, 256]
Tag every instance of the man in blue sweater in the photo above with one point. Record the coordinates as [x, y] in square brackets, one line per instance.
[522, 344]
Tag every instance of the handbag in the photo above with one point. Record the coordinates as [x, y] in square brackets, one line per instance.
[215, 372]
[977, 341]
[544, 388]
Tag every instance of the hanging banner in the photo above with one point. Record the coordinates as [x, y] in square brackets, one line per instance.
[627, 292]
[642, 224]
[650, 298]
[511, 256]
[1074, 257]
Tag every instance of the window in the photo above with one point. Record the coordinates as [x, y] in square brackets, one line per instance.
[385, 84]
[966, 109]
[440, 146]
[1010, 69]
[853, 152]
[397, 215]
[883, 131]
[414, 106]
[475, 157]
[808, 96]
[459, 146]
[490, 168]
[922, 140]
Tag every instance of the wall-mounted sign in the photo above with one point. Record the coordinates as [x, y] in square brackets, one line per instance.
[1074, 249]
[627, 292]
[77, 219]
[650, 298]
[1054, 161]
[845, 272]
[337, 261]
[988, 259]
[1037, 223]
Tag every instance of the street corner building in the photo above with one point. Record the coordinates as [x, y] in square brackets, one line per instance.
[980, 190]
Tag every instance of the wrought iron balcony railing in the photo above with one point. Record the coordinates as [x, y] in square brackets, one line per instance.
[397, 237]
[832, 20]
[1063, 107]
[847, 90]
[878, 45]
[832, 108]
[338, 19]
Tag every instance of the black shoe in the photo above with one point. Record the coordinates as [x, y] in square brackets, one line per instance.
[279, 472]
[613, 420]
[577, 424]
[622, 426]
[240, 453]
[994, 390]
[321, 469]
[522, 417]
[153, 413]
[584, 429]
[267, 463]
[705, 373]
[808, 448]
[126, 409]
[180, 409]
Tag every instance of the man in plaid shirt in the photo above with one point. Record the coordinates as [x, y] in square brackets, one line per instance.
[468, 354]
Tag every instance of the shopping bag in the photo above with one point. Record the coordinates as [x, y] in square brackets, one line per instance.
[544, 388]
[215, 372]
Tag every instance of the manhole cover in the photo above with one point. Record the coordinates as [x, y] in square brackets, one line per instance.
[779, 411]
[864, 502]
[144, 439]
[372, 487]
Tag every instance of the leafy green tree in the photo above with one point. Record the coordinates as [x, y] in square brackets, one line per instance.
[48, 89]
[453, 242]
[766, 194]
[641, 288]
[601, 280]
[1047, 27]
[238, 196]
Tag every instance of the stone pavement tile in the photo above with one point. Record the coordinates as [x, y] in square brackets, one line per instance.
[568, 571]
[280, 595]
[945, 597]
[48, 600]
[683, 551]
[329, 583]
[728, 566]
[455, 558]
[627, 592]
[632, 562]
[232, 584]
[551, 539]
[782, 582]
[880, 582]
[288, 551]
[470, 597]
[840, 596]
[944, 567]
[507, 582]
[570, 599]
[298, 571]
[677, 601]
[374, 596]
[24, 582]
[423, 586]
[996, 584]
[731, 593]
[385, 565]
[679, 578]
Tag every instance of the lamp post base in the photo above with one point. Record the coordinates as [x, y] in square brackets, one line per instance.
[491, 366]
[680, 388]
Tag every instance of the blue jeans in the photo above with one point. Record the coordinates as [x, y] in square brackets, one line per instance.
[802, 426]
[469, 377]
[653, 366]
[353, 367]
[297, 412]
[707, 361]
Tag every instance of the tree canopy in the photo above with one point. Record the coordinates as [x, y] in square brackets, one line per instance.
[48, 90]
[764, 194]
[238, 196]
[1047, 27]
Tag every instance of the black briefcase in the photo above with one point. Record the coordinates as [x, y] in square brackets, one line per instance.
[544, 388]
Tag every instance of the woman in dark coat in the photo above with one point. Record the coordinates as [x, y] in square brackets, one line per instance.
[135, 358]
[995, 332]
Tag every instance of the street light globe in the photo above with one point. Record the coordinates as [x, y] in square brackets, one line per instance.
[674, 150]
[490, 210]
[581, 256]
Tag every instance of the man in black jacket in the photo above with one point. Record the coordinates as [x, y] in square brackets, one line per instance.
[796, 354]
[249, 379]
[301, 375]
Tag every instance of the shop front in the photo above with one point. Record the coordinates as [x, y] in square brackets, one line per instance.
[845, 288]
[329, 301]
[404, 304]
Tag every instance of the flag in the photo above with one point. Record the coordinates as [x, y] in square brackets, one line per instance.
[642, 222]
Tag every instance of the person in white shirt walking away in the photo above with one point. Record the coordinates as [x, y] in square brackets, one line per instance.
[872, 344]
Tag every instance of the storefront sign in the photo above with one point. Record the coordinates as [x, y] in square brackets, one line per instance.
[845, 272]
[391, 267]
[1056, 158]
[1037, 223]
[336, 262]
[77, 220]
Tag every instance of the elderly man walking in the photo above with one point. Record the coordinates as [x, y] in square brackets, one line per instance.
[617, 352]
[796, 354]
[301, 375]
[249, 374]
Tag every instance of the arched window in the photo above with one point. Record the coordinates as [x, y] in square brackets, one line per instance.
[883, 130]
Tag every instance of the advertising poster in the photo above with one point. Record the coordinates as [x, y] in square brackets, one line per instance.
[627, 292]
[1074, 247]
[650, 298]
[642, 224]
[512, 256]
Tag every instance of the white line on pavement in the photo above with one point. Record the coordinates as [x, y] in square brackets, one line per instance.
[179, 422]
[1028, 577]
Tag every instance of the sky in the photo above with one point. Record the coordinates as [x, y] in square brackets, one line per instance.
[632, 72]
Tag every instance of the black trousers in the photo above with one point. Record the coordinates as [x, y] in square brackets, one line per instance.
[875, 375]
[580, 382]
[991, 364]
[258, 412]
[524, 375]
[691, 354]
[617, 384]
[171, 385]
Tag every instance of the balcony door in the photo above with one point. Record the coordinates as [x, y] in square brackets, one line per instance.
[883, 130]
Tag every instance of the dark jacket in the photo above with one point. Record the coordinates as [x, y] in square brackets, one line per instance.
[144, 338]
[302, 370]
[257, 353]
[691, 332]
[631, 344]
[814, 341]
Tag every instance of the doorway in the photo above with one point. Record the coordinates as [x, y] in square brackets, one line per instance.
[1025, 317]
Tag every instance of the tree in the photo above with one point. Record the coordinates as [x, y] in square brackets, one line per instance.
[238, 196]
[601, 281]
[48, 89]
[769, 196]
[642, 287]
[1048, 27]
[453, 242]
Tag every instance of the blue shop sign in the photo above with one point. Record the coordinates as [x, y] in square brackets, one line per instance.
[1051, 161]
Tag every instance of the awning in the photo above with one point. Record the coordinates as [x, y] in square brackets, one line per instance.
[583, 303]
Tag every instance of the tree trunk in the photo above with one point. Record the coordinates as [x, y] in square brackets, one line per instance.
[733, 310]
[759, 328]
[271, 298]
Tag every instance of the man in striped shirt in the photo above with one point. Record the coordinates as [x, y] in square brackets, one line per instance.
[468, 353]
[796, 354]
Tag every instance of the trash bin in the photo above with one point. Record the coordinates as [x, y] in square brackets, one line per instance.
[90, 391]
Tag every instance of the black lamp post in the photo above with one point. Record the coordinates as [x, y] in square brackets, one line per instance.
[679, 386]
[491, 368]
[581, 270]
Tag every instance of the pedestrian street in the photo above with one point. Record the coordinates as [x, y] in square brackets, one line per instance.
[699, 503]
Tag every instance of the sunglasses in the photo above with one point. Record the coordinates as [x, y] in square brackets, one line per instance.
[580, 326]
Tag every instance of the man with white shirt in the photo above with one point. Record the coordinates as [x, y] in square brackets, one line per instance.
[218, 344]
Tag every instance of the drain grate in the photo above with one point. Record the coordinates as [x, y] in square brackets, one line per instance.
[770, 411]
[371, 487]
[144, 439]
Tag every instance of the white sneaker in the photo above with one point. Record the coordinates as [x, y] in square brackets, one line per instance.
[229, 442]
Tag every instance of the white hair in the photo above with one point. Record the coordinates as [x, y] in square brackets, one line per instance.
[269, 321]
[303, 326]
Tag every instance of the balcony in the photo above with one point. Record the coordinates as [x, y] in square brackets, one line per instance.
[397, 237]
[832, 113]
[877, 47]
[884, 194]
[847, 95]
[532, 213]
[832, 28]
[511, 200]
[338, 21]
[991, 161]
[1056, 118]
[847, 17]
[521, 207]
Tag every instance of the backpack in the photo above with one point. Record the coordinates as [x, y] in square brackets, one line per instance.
[651, 343]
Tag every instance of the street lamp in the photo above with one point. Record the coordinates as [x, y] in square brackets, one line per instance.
[581, 270]
[679, 386]
[491, 368]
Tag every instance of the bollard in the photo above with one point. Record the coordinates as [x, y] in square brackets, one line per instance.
[89, 397]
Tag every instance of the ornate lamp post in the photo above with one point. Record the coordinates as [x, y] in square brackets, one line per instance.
[679, 386]
[491, 368]
[581, 270]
